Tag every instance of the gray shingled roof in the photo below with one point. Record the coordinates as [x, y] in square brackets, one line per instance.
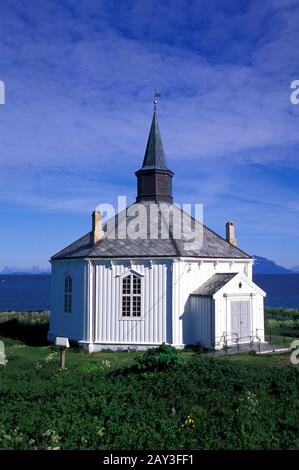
[154, 157]
[210, 246]
[214, 284]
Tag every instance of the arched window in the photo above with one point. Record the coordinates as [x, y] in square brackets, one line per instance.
[68, 291]
[131, 296]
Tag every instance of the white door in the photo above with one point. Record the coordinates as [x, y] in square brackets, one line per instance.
[240, 319]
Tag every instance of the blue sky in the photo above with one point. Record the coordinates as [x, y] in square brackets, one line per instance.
[79, 77]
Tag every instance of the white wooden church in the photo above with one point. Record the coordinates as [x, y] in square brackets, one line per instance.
[119, 293]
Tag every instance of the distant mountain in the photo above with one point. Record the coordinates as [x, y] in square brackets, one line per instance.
[267, 266]
[261, 266]
[18, 270]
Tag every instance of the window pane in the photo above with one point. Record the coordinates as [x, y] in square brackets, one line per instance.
[67, 303]
[136, 306]
[68, 284]
[131, 296]
[127, 285]
[70, 303]
[136, 285]
[126, 306]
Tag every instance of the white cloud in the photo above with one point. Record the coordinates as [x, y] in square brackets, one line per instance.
[79, 80]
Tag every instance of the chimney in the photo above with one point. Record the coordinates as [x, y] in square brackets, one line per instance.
[97, 232]
[230, 233]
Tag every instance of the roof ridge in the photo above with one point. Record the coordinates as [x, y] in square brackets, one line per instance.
[213, 246]
[105, 225]
[70, 245]
[170, 234]
[217, 235]
[213, 284]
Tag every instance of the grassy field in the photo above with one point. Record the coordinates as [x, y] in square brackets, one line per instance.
[134, 400]
[79, 359]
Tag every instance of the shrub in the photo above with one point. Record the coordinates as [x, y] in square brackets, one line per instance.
[161, 358]
[196, 347]
[34, 334]
[281, 313]
[162, 403]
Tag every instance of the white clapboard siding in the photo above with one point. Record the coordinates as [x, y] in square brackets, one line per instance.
[232, 292]
[188, 276]
[110, 326]
[170, 313]
[72, 325]
[198, 323]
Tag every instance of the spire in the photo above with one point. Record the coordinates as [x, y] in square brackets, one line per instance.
[154, 157]
[154, 179]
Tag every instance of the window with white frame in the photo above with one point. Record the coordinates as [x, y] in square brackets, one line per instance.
[131, 296]
[68, 293]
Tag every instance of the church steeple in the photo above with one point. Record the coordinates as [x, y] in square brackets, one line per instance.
[154, 156]
[154, 179]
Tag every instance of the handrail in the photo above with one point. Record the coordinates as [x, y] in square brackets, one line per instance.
[224, 338]
[215, 337]
[232, 339]
[258, 338]
[226, 335]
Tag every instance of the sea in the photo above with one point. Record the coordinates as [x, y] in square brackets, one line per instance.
[282, 289]
[32, 292]
[24, 292]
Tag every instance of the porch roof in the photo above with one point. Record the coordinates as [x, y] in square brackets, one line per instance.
[214, 284]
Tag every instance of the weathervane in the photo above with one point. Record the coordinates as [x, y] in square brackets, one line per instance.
[157, 94]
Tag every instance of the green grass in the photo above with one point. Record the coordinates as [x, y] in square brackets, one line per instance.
[279, 340]
[79, 359]
[101, 402]
[75, 358]
[281, 326]
[106, 400]
[24, 335]
[265, 360]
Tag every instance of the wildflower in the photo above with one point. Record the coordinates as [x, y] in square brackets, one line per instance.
[252, 401]
[188, 423]
[50, 357]
[106, 364]
[100, 431]
[52, 439]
